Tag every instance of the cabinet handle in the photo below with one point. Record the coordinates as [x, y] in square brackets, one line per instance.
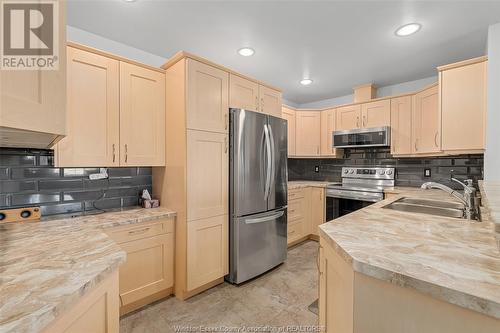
[126, 153]
[317, 150]
[256, 103]
[139, 231]
[357, 121]
[114, 153]
[435, 139]
[364, 121]
[225, 145]
[262, 104]
[416, 144]
[225, 121]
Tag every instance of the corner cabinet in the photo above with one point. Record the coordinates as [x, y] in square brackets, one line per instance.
[426, 121]
[289, 116]
[250, 95]
[463, 89]
[308, 137]
[327, 129]
[115, 112]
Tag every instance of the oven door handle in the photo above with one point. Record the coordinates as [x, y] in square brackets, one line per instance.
[374, 197]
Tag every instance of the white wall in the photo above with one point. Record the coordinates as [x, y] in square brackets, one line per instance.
[396, 89]
[89, 39]
[492, 154]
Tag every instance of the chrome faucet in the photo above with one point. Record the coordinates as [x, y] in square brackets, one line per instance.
[468, 198]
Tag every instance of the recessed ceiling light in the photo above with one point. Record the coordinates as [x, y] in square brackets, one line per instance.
[246, 51]
[306, 82]
[408, 29]
[129, 0]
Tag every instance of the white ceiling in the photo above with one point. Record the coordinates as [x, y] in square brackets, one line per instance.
[339, 44]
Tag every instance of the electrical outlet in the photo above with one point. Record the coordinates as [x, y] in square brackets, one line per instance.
[427, 172]
[316, 168]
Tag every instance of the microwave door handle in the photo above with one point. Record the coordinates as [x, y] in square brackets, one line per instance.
[268, 162]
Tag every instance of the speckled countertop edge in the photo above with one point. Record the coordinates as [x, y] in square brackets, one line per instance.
[48, 266]
[361, 262]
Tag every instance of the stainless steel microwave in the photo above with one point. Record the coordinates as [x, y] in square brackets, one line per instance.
[362, 137]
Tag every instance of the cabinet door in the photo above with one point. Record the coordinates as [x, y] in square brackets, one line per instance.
[463, 107]
[142, 116]
[93, 111]
[376, 114]
[327, 128]
[149, 267]
[317, 209]
[289, 116]
[207, 250]
[243, 93]
[207, 174]
[35, 100]
[348, 117]
[401, 142]
[308, 128]
[207, 97]
[270, 101]
[426, 122]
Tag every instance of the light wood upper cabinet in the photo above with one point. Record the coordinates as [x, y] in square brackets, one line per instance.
[401, 126]
[426, 122]
[33, 102]
[463, 106]
[207, 97]
[308, 129]
[207, 251]
[317, 208]
[207, 174]
[376, 114]
[93, 111]
[142, 116]
[243, 93]
[327, 129]
[289, 116]
[270, 101]
[348, 117]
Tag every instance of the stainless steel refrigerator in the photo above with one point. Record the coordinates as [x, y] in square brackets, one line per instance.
[258, 194]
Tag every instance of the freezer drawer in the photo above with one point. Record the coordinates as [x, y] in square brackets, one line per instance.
[258, 243]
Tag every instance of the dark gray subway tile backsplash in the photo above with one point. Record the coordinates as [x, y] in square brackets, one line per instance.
[409, 171]
[28, 178]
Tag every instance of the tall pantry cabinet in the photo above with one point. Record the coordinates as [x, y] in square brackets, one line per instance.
[195, 180]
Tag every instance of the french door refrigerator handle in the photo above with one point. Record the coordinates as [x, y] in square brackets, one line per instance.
[265, 218]
[269, 161]
[273, 159]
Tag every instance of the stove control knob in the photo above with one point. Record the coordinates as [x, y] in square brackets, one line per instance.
[381, 172]
[389, 172]
[346, 171]
[351, 171]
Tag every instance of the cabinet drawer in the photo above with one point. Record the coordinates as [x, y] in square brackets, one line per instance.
[296, 209]
[132, 232]
[296, 194]
[295, 231]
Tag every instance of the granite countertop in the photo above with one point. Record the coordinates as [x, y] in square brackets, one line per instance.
[48, 266]
[453, 260]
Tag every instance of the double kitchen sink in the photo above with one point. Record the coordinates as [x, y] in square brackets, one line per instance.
[431, 207]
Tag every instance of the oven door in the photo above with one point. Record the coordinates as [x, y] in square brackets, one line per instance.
[343, 202]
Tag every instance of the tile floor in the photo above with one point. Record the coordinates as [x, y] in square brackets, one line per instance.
[277, 299]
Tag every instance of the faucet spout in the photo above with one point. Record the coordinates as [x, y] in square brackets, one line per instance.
[466, 198]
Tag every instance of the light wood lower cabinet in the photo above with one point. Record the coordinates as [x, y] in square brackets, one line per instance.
[401, 126]
[96, 312]
[148, 273]
[289, 116]
[207, 251]
[426, 122]
[351, 302]
[317, 202]
[308, 133]
[306, 210]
